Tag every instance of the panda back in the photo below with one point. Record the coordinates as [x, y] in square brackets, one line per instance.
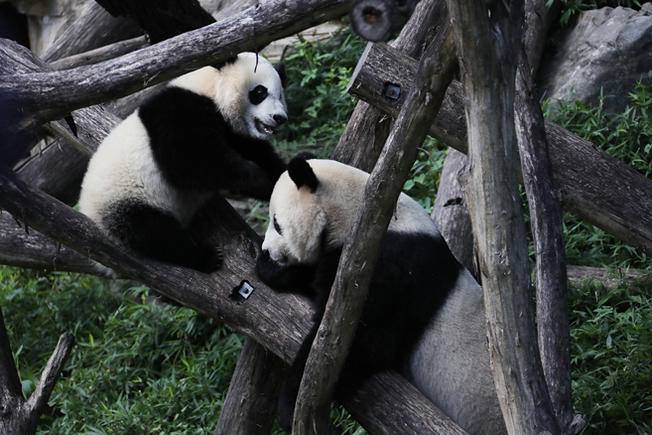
[450, 362]
[123, 168]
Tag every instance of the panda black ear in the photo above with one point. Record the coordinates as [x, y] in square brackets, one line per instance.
[280, 69]
[302, 174]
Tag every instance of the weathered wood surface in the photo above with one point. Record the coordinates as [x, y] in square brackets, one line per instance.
[159, 19]
[93, 28]
[623, 208]
[486, 38]
[450, 212]
[378, 20]
[20, 416]
[368, 127]
[100, 54]
[68, 90]
[250, 404]
[360, 251]
[26, 247]
[259, 316]
[548, 239]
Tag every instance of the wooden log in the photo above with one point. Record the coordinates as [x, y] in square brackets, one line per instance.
[485, 38]
[26, 247]
[378, 20]
[368, 127]
[450, 212]
[93, 28]
[548, 239]
[258, 316]
[42, 100]
[250, 404]
[624, 209]
[100, 54]
[348, 294]
[161, 20]
[580, 275]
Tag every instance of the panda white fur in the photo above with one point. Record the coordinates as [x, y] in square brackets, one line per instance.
[424, 315]
[207, 130]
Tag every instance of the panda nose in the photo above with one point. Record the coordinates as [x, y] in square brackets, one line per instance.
[280, 119]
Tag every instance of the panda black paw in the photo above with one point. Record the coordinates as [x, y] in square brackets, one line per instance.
[209, 259]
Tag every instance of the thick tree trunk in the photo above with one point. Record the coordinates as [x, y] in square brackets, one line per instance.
[486, 37]
[250, 404]
[624, 208]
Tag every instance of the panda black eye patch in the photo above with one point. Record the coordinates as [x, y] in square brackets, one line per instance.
[258, 94]
[277, 227]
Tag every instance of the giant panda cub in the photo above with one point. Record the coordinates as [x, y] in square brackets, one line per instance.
[206, 131]
[424, 315]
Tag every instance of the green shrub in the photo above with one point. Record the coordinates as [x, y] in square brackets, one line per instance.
[611, 337]
[318, 104]
[626, 136]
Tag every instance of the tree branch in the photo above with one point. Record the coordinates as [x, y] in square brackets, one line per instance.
[65, 91]
[93, 28]
[550, 269]
[106, 52]
[18, 416]
[485, 38]
[368, 127]
[39, 398]
[26, 247]
[360, 251]
[579, 167]
[250, 403]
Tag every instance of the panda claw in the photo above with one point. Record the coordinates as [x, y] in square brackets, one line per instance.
[211, 260]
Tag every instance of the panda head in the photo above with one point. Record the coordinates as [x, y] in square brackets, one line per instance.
[312, 209]
[248, 91]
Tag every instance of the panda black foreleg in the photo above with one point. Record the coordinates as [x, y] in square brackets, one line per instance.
[322, 281]
[246, 178]
[159, 235]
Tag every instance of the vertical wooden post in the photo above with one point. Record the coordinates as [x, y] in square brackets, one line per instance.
[486, 39]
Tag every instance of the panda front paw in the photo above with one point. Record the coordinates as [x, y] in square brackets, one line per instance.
[208, 259]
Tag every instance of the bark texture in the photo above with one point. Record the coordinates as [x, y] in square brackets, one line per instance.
[258, 316]
[579, 168]
[250, 404]
[486, 37]
[360, 251]
[17, 415]
[368, 127]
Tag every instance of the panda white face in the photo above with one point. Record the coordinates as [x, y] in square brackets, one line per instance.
[312, 208]
[249, 94]
[293, 235]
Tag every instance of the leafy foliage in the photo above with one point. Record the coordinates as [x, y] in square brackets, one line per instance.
[318, 104]
[626, 136]
[423, 180]
[611, 336]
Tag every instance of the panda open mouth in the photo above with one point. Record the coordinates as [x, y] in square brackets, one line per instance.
[263, 128]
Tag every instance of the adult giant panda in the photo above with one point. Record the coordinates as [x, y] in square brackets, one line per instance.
[207, 130]
[424, 315]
